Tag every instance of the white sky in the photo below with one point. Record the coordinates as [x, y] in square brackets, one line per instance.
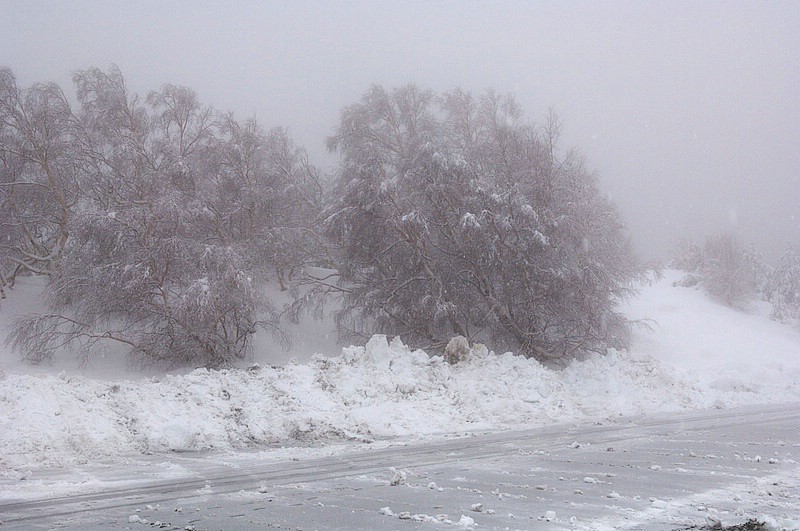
[689, 112]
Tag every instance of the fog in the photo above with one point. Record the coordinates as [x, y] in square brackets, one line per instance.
[688, 113]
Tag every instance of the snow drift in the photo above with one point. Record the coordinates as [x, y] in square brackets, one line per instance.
[699, 355]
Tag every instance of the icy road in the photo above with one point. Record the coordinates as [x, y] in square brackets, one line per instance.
[675, 471]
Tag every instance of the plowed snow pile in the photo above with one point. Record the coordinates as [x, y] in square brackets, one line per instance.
[698, 355]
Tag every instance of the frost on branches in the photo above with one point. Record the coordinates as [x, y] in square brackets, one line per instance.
[455, 217]
[783, 288]
[157, 221]
[727, 271]
[39, 173]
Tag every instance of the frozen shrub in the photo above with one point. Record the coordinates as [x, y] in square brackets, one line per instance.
[688, 256]
[688, 281]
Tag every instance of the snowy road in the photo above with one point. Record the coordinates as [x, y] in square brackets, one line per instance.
[670, 471]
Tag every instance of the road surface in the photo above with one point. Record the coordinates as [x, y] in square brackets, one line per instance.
[673, 471]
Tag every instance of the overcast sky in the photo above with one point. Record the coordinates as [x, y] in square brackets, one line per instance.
[689, 113]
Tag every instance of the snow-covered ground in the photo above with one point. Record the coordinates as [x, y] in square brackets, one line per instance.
[697, 354]
[661, 472]
[741, 353]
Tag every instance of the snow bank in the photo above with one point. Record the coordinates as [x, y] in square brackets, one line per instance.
[698, 355]
[381, 389]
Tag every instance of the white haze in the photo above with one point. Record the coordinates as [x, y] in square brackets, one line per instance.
[688, 112]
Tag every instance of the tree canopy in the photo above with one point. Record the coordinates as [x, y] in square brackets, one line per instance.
[456, 217]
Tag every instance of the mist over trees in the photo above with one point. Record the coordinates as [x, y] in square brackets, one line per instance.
[456, 217]
[159, 221]
[156, 221]
[782, 287]
[736, 275]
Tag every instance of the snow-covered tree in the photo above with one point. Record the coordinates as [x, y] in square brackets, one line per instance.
[687, 256]
[783, 287]
[182, 216]
[454, 217]
[142, 277]
[725, 269]
[40, 170]
[758, 271]
[264, 194]
[725, 273]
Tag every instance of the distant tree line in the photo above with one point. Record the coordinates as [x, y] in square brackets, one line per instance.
[159, 221]
[735, 274]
